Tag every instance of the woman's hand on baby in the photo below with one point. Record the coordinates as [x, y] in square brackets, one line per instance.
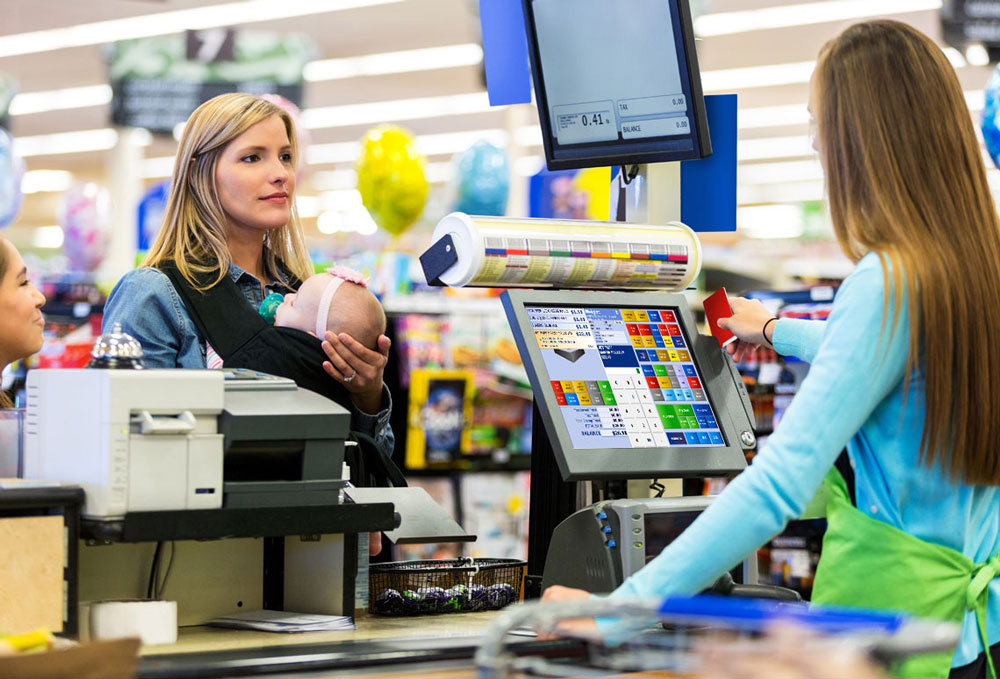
[747, 323]
[358, 368]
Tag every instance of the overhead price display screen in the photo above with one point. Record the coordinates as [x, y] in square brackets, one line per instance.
[624, 377]
[615, 78]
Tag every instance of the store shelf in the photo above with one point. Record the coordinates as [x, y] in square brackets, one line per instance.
[208, 524]
[433, 303]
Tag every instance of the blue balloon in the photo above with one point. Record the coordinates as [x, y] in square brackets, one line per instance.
[991, 111]
[483, 180]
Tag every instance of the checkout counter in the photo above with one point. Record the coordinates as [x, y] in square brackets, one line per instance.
[192, 457]
[144, 485]
[251, 422]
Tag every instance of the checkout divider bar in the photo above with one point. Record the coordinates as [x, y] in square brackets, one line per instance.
[243, 522]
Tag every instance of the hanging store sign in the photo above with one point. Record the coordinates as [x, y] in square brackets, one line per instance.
[966, 22]
[157, 82]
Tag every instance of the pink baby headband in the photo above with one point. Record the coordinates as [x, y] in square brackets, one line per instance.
[338, 274]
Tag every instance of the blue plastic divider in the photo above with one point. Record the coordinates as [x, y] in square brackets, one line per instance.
[759, 613]
[505, 52]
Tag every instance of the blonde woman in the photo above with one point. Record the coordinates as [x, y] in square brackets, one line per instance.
[231, 214]
[905, 373]
[21, 319]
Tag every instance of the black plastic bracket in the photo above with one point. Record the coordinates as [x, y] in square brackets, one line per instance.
[438, 258]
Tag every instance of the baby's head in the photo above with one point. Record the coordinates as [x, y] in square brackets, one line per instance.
[338, 301]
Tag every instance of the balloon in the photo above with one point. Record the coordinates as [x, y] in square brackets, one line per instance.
[86, 225]
[991, 111]
[593, 183]
[11, 173]
[483, 180]
[301, 131]
[570, 194]
[391, 178]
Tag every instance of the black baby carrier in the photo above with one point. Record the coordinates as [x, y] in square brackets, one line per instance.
[243, 339]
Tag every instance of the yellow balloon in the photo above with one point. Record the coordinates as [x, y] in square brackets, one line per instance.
[391, 178]
[595, 182]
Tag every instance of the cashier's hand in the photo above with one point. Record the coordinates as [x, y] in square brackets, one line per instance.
[580, 627]
[747, 323]
[358, 368]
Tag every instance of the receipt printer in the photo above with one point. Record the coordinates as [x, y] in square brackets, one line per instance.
[136, 440]
[159, 440]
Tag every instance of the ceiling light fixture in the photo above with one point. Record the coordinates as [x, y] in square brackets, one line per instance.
[384, 63]
[955, 57]
[66, 142]
[728, 79]
[59, 100]
[177, 21]
[427, 145]
[401, 109]
[784, 16]
[977, 55]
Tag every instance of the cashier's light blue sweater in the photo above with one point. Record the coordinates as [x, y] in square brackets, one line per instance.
[853, 396]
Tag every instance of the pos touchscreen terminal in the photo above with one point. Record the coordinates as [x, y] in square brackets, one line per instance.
[627, 388]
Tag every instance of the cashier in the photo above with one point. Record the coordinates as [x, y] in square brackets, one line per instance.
[904, 376]
[21, 319]
[231, 212]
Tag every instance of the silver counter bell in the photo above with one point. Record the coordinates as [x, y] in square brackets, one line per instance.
[116, 349]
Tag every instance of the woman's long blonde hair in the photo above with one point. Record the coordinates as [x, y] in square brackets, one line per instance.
[193, 234]
[906, 180]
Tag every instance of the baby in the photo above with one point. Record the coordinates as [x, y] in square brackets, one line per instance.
[337, 300]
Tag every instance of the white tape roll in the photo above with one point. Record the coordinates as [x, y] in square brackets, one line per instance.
[554, 253]
[155, 622]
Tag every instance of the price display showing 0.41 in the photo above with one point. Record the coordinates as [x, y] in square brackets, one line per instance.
[598, 118]
[585, 122]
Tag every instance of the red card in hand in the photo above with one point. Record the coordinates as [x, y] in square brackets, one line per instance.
[716, 307]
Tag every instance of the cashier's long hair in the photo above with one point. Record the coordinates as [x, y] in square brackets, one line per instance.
[906, 180]
[193, 234]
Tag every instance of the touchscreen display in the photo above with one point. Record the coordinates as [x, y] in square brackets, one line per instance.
[624, 377]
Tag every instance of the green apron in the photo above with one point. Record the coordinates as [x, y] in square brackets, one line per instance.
[870, 564]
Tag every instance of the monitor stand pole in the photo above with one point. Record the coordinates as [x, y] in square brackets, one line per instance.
[552, 499]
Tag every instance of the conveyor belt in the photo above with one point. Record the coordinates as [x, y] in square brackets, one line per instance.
[440, 656]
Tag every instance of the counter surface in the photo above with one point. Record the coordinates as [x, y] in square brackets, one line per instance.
[203, 638]
[381, 648]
